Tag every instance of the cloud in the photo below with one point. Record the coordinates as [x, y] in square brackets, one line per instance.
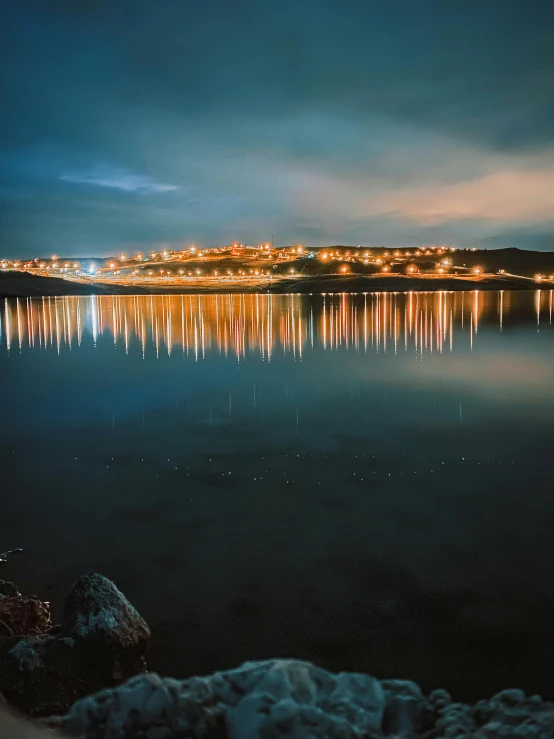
[393, 123]
[508, 197]
[118, 179]
[497, 191]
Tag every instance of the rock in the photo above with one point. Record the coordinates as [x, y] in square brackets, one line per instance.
[508, 715]
[107, 628]
[8, 588]
[404, 707]
[42, 674]
[277, 698]
[22, 614]
[440, 698]
[5, 630]
[289, 698]
[97, 612]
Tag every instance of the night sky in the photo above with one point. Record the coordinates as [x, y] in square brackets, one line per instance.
[129, 123]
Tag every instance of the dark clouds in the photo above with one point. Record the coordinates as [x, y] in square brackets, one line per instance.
[130, 122]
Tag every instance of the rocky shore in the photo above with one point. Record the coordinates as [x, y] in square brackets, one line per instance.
[86, 677]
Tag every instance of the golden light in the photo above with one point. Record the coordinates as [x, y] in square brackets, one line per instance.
[418, 253]
[477, 270]
[112, 265]
[411, 268]
[378, 261]
[344, 269]
[386, 254]
[408, 254]
[385, 268]
[66, 265]
[396, 253]
[445, 262]
[181, 271]
[538, 278]
[441, 270]
[139, 256]
[324, 255]
[75, 265]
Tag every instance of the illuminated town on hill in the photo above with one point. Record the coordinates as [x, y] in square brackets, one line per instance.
[264, 264]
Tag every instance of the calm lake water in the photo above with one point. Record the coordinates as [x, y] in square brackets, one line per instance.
[365, 481]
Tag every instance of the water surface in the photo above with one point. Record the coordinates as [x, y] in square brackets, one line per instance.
[361, 480]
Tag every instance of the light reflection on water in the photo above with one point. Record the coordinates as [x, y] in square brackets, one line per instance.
[361, 480]
[241, 324]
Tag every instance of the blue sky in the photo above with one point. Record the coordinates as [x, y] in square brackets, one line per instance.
[136, 123]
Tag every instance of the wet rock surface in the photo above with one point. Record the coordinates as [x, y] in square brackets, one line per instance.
[289, 698]
[44, 669]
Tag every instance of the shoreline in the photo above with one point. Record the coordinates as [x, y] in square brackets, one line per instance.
[87, 677]
[23, 285]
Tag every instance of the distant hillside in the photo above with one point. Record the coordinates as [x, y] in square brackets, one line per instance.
[21, 284]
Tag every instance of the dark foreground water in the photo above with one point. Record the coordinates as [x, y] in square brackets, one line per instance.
[364, 481]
